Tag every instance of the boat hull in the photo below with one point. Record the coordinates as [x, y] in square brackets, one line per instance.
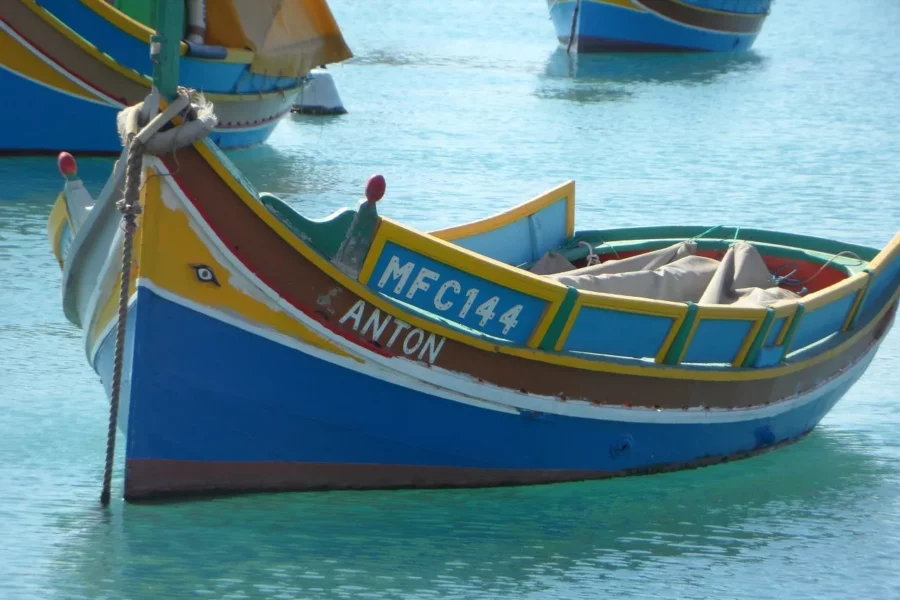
[215, 405]
[653, 26]
[78, 92]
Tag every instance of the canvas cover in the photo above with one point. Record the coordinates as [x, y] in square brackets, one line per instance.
[550, 263]
[289, 37]
[677, 274]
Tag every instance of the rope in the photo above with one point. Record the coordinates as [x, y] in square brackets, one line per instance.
[574, 24]
[200, 120]
[130, 207]
[710, 230]
[798, 282]
[592, 259]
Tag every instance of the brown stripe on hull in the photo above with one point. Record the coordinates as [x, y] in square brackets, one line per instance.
[725, 22]
[70, 55]
[148, 479]
[302, 283]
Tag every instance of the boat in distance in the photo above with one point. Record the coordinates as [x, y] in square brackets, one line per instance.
[592, 26]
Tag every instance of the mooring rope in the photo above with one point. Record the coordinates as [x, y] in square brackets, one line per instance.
[130, 207]
[139, 141]
[575, 12]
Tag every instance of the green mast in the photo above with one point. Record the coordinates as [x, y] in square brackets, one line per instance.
[165, 46]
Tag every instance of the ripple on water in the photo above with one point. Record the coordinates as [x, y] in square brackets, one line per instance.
[468, 108]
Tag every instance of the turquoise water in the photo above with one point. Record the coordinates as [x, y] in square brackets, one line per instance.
[466, 108]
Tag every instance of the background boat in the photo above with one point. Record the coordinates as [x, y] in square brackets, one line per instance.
[587, 26]
[76, 63]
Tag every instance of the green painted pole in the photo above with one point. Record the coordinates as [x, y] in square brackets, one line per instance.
[165, 46]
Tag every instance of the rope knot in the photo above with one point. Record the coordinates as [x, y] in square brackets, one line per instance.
[125, 209]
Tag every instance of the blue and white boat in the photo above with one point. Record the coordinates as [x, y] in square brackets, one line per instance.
[587, 26]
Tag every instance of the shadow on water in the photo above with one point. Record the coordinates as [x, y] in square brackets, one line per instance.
[499, 542]
[610, 77]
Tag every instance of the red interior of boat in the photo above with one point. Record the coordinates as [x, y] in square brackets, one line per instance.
[813, 276]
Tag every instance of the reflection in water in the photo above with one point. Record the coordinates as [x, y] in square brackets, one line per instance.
[589, 77]
[496, 542]
[298, 174]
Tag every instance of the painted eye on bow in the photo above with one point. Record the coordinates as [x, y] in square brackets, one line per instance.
[205, 274]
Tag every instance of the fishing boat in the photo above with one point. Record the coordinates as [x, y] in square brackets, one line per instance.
[247, 347]
[587, 26]
[67, 67]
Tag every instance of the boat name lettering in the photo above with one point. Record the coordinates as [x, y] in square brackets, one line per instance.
[449, 294]
[415, 342]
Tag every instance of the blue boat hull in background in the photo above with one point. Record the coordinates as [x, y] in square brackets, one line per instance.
[657, 25]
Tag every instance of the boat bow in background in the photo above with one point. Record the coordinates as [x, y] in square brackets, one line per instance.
[68, 66]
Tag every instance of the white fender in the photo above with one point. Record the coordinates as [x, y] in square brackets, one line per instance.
[319, 96]
[196, 19]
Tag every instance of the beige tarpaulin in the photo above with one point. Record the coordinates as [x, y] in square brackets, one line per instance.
[289, 37]
[677, 274]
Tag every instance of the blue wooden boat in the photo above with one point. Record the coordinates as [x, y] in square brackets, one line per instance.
[77, 63]
[247, 347]
[587, 26]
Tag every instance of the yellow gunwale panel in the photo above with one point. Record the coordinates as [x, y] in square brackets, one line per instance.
[472, 264]
[710, 312]
[168, 241]
[59, 217]
[462, 259]
[855, 306]
[888, 254]
[62, 28]
[564, 191]
[677, 313]
[786, 309]
[21, 60]
[832, 294]
[660, 371]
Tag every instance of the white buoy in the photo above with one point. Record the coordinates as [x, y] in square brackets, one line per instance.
[319, 96]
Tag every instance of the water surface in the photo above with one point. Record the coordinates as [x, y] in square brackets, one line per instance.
[467, 108]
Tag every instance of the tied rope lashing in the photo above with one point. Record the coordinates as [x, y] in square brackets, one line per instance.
[140, 140]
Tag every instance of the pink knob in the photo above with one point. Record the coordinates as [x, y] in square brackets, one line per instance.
[375, 187]
[66, 164]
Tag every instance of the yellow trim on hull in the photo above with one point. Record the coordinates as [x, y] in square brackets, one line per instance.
[832, 294]
[889, 253]
[19, 59]
[56, 222]
[659, 371]
[62, 28]
[135, 75]
[565, 191]
[170, 246]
